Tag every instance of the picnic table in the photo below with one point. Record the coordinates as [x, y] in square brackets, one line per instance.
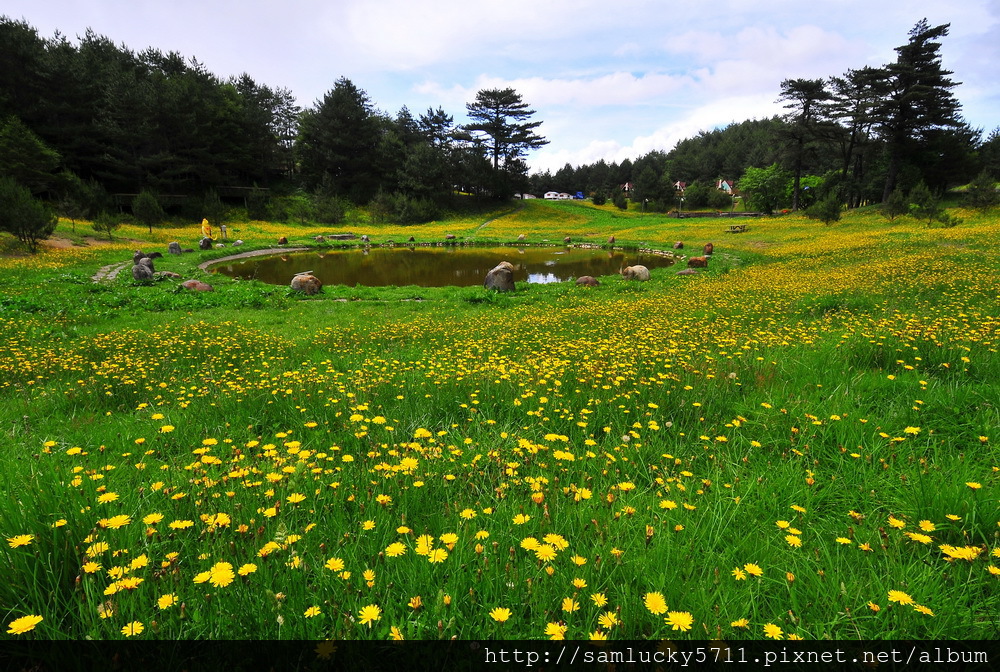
[736, 228]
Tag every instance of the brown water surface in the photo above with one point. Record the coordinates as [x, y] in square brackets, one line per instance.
[437, 266]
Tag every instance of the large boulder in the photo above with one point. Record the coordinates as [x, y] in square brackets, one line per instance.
[142, 272]
[205, 244]
[698, 262]
[174, 248]
[306, 283]
[197, 286]
[611, 240]
[282, 241]
[678, 245]
[709, 248]
[500, 278]
[638, 273]
[687, 271]
[587, 281]
[137, 255]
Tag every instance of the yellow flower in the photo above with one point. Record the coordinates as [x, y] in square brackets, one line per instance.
[923, 610]
[312, 611]
[334, 564]
[974, 486]
[369, 614]
[24, 624]
[598, 636]
[555, 631]
[754, 569]
[545, 553]
[900, 597]
[437, 555]
[394, 550]
[679, 620]
[221, 574]
[133, 628]
[599, 599]
[20, 540]
[521, 519]
[569, 605]
[874, 607]
[739, 574]
[844, 540]
[166, 429]
[740, 623]
[500, 614]
[896, 523]
[248, 568]
[655, 603]
[773, 631]
[927, 526]
[793, 541]
[607, 620]
[415, 602]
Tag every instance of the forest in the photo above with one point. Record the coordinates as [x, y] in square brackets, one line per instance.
[91, 129]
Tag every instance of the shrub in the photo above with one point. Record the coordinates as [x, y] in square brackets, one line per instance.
[106, 223]
[24, 216]
[896, 205]
[146, 208]
[621, 202]
[982, 193]
[599, 198]
[827, 210]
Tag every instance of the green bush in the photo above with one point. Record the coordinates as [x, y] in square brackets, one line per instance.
[24, 216]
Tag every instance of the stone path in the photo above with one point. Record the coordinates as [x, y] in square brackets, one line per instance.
[256, 253]
[110, 272]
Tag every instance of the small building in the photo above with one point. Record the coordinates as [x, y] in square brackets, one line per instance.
[551, 195]
[725, 185]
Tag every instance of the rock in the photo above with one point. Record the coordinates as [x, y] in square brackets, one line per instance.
[687, 271]
[237, 242]
[205, 244]
[365, 239]
[698, 262]
[521, 238]
[319, 239]
[142, 272]
[197, 286]
[167, 274]
[139, 254]
[678, 245]
[306, 283]
[188, 250]
[174, 248]
[146, 261]
[501, 277]
[450, 236]
[587, 281]
[218, 245]
[709, 248]
[638, 273]
[412, 239]
[567, 240]
[155, 255]
[611, 240]
[282, 241]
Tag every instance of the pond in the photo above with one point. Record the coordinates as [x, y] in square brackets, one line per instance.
[437, 266]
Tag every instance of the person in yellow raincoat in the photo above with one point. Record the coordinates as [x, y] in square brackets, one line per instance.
[206, 229]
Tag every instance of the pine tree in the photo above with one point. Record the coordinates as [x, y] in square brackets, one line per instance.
[919, 101]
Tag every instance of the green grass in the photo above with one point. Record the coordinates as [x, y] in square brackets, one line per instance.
[812, 400]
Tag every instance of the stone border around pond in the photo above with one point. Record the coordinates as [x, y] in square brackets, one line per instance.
[206, 265]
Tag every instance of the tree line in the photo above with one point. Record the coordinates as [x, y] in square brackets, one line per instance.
[854, 139]
[93, 126]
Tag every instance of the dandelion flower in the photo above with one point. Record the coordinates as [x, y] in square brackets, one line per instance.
[773, 631]
[369, 614]
[500, 614]
[248, 568]
[923, 610]
[555, 631]
[166, 601]
[312, 611]
[24, 624]
[679, 620]
[395, 549]
[599, 599]
[133, 628]
[569, 605]
[752, 568]
[900, 597]
[20, 540]
[740, 623]
[655, 603]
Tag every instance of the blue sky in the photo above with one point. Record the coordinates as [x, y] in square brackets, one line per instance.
[608, 80]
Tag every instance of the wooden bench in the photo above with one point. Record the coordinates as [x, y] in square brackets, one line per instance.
[736, 228]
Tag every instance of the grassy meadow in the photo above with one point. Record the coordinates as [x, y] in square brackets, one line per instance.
[801, 442]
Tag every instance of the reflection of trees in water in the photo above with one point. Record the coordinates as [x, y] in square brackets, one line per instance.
[439, 267]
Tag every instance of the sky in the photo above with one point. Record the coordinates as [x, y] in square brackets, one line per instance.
[607, 80]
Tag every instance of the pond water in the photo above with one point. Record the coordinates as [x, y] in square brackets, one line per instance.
[437, 266]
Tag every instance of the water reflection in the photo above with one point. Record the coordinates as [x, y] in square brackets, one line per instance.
[437, 266]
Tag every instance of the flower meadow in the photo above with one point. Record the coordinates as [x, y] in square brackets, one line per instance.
[800, 443]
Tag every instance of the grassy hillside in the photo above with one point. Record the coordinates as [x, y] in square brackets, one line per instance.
[800, 442]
